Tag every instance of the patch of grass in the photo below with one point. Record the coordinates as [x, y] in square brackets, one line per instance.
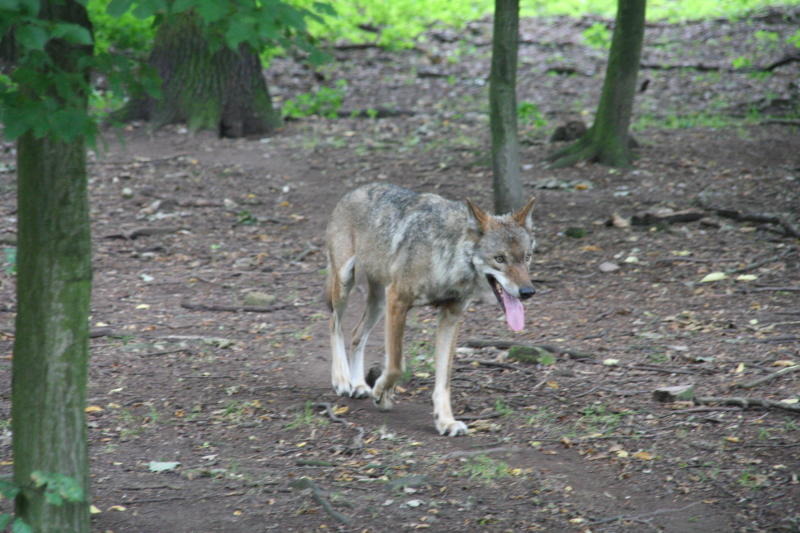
[307, 418]
[598, 418]
[542, 417]
[420, 362]
[324, 102]
[502, 408]
[701, 119]
[597, 36]
[484, 468]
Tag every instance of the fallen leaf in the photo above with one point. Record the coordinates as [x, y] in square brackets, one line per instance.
[341, 410]
[732, 439]
[117, 508]
[94, 510]
[784, 362]
[611, 362]
[714, 276]
[746, 277]
[643, 456]
[93, 409]
[739, 368]
[163, 466]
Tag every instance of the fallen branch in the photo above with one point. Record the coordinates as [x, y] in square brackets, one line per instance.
[746, 403]
[495, 364]
[775, 289]
[319, 496]
[194, 306]
[506, 344]
[770, 377]
[637, 517]
[143, 232]
[761, 218]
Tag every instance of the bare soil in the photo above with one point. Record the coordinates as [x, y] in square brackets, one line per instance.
[210, 345]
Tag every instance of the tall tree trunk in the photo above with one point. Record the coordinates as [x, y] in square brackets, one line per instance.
[53, 293]
[608, 141]
[503, 107]
[222, 90]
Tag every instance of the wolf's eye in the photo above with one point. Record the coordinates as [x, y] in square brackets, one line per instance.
[500, 258]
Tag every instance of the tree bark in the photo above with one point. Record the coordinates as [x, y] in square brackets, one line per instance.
[608, 141]
[53, 293]
[222, 90]
[503, 108]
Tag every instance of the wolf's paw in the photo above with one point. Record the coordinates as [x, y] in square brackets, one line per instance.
[360, 390]
[451, 428]
[342, 387]
[382, 397]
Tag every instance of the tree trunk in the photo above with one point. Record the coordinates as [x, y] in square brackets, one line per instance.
[222, 90]
[503, 107]
[53, 293]
[608, 141]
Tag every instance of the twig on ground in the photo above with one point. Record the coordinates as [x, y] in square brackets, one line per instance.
[770, 377]
[328, 407]
[506, 344]
[746, 403]
[197, 306]
[484, 451]
[642, 516]
[319, 496]
[495, 364]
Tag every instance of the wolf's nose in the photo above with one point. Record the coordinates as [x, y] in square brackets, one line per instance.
[526, 292]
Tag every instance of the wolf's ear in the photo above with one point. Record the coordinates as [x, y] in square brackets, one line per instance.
[481, 217]
[524, 217]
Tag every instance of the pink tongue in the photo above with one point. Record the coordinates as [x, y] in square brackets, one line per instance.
[515, 313]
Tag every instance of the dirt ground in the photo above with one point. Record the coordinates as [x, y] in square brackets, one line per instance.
[209, 378]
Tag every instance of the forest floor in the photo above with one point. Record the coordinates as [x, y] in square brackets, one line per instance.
[209, 376]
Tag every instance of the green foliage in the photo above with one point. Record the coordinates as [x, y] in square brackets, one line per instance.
[529, 114]
[794, 39]
[58, 490]
[125, 33]
[325, 102]
[597, 36]
[484, 468]
[9, 262]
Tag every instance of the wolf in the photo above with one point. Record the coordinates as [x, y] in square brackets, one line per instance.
[419, 249]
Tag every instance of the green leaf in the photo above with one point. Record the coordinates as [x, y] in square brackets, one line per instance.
[324, 8]
[8, 489]
[117, 8]
[211, 10]
[163, 466]
[53, 498]
[32, 37]
[73, 33]
[4, 520]
[21, 527]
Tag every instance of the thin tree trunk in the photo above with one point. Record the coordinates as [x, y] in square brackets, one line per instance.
[503, 107]
[608, 141]
[223, 90]
[53, 293]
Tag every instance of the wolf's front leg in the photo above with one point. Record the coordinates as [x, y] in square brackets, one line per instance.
[396, 310]
[446, 334]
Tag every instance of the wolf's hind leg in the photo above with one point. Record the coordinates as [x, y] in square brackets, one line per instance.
[340, 282]
[372, 313]
[396, 310]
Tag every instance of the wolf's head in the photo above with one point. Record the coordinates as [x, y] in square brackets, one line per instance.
[502, 255]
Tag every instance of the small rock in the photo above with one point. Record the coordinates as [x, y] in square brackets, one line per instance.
[608, 266]
[259, 299]
[674, 394]
[127, 192]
